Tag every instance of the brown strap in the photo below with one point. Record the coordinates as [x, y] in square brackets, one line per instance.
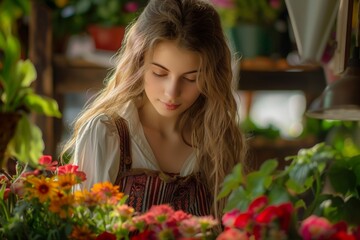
[125, 151]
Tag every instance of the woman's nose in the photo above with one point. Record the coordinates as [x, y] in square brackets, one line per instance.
[172, 88]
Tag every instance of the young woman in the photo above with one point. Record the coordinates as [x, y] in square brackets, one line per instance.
[165, 127]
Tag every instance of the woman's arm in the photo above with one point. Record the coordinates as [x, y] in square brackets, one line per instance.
[97, 151]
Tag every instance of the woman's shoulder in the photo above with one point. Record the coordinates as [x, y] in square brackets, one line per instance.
[100, 123]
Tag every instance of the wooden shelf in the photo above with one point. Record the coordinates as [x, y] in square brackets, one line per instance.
[310, 80]
[77, 75]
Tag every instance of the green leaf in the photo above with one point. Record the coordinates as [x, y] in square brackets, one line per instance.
[352, 211]
[42, 105]
[269, 166]
[342, 179]
[26, 72]
[278, 194]
[299, 187]
[300, 204]
[257, 183]
[231, 181]
[238, 200]
[27, 144]
[357, 174]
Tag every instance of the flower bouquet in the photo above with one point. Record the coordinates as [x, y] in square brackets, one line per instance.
[315, 197]
[41, 204]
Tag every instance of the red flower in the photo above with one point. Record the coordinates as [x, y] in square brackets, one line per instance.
[282, 212]
[6, 193]
[145, 235]
[285, 212]
[258, 204]
[267, 215]
[342, 236]
[69, 168]
[243, 220]
[106, 236]
[46, 162]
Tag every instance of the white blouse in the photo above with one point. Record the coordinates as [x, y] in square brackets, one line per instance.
[97, 149]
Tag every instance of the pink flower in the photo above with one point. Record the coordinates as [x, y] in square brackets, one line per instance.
[179, 216]
[131, 7]
[69, 168]
[231, 234]
[189, 227]
[46, 162]
[276, 4]
[224, 3]
[315, 227]
[18, 188]
[228, 218]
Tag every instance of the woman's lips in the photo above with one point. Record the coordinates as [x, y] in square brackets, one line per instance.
[171, 106]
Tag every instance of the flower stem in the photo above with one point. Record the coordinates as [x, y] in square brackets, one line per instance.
[312, 207]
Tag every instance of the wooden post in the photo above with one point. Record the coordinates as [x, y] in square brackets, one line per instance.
[40, 53]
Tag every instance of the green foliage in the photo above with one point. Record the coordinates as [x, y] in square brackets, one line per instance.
[76, 15]
[319, 180]
[249, 11]
[249, 127]
[16, 93]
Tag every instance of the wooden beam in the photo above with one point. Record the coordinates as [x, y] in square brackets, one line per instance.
[40, 53]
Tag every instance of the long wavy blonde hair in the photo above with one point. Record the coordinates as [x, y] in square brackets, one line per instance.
[213, 118]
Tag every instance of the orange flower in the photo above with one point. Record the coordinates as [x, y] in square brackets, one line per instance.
[82, 233]
[66, 181]
[86, 198]
[107, 192]
[41, 187]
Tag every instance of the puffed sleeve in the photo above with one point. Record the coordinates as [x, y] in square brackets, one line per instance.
[97, 151]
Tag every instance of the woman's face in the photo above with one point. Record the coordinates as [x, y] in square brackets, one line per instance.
[170, 78]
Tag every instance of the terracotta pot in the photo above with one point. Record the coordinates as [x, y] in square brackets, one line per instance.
[8, 123]
[107, 38]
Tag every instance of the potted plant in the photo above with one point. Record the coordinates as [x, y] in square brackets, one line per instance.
[20, 138]
[105, 20]
[250, 25]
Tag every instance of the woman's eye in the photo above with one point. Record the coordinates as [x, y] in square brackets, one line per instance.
[159, 74]
[190, 79]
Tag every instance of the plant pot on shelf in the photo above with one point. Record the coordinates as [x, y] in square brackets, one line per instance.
[8, 123]
[252, 40]
[107, 38]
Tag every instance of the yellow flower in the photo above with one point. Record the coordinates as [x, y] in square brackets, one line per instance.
[62, 204]
[107, 192]
[82, 233]
[41, 187]
[66, 181]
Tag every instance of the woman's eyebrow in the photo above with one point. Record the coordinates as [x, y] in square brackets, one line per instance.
[161, 66]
